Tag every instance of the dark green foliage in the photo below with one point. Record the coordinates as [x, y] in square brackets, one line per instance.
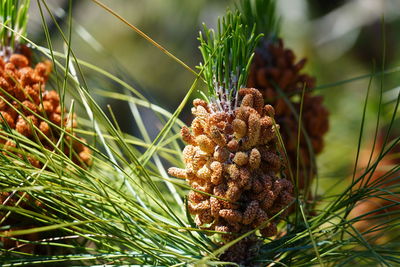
[262, 15]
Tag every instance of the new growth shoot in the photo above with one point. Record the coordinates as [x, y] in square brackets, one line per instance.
[14, 18]
[227, 55]
[261, 14]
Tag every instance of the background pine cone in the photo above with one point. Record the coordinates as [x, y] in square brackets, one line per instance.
[273, 67]
[372, 210]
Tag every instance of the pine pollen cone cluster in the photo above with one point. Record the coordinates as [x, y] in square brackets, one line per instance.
[22, 88]
[275, 66]
[231, 164]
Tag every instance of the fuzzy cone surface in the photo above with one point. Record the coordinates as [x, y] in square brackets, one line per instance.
[275, 66]
[231, 164]
[23, 89]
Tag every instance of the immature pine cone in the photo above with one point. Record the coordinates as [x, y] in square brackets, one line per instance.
[232, 157]
[27, 85]
[275, 67]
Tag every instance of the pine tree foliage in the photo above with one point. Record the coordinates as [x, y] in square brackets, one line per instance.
[227, 55]
[262, 15]
[14, 18]
[124, 209]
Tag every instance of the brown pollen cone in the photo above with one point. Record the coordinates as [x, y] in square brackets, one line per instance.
[23, 89]
[275, 66]
[232, 157]
[371, 210]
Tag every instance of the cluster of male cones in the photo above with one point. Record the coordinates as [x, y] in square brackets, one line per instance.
[275, 68]
[232, 159]
[231, 165]
[24, 105]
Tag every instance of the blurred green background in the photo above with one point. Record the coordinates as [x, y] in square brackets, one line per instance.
[341, 39]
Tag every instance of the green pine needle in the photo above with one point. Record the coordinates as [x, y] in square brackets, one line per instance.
[14, 18]
[227, 55]
[93, 217]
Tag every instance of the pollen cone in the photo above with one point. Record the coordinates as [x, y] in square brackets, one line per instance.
[23, 90]
[275, 66]
[231, 164]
